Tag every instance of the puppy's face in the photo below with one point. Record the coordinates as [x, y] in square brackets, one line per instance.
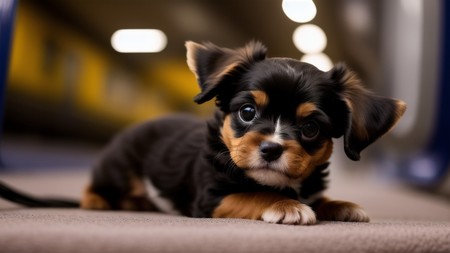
[281, 114]
[277, 128]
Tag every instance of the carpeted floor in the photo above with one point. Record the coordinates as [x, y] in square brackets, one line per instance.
[59, 230]
[403, 220]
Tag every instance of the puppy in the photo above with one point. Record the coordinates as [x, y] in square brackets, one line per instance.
[263, 156]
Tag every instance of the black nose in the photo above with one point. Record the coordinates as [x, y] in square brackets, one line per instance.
[270, 151]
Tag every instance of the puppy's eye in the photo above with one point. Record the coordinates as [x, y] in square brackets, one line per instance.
[247, 112]
[310, 130]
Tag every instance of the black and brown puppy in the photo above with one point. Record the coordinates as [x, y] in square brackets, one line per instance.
[264, 155]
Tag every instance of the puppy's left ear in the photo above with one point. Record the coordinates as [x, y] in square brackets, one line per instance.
[370, 116]
[212, 64]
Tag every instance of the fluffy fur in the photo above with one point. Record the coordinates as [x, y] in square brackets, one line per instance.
[264, 155]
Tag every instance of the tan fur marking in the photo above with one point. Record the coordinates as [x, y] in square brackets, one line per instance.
[247, 53]
[399, 111]
[92, 200]
[246, 205]
[301, 164]
[401, 108]
[335, 210]
[136, 199]
[240, 148]
[298, 159]
[306, 109]
[261, 98]
[137, 188]
[226, 69]
[355, 98]
[128, 204]
[226, 131]
[358, 120]
[136, 204]
[191, 50]
[323, 154]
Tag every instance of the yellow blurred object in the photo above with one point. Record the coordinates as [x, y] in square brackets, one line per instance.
[56, 65]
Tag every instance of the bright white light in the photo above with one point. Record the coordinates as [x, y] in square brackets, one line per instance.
[300, 11]
[138, 41]
[309, 39]
[319, 60]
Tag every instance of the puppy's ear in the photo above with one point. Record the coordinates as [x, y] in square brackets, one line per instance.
[370, 116]
[212, 64]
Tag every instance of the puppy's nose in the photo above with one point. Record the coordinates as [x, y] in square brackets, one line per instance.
[270, 151]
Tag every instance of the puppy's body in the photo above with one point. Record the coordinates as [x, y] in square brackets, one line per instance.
[176, 160]
[164, 153]
[263, 156]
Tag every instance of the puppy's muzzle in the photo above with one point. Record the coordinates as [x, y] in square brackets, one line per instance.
[270, 151]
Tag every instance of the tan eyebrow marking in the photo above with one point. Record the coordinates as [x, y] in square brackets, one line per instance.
[306, 109]
[261, 98]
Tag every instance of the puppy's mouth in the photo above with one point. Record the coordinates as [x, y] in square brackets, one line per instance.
[274, 166]
[279, 167]
[272, 159]
[273, 174]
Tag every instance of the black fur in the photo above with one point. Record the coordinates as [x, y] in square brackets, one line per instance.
[188, 159]
[189, 167]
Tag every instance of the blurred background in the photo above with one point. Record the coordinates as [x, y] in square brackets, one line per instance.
[72, 75]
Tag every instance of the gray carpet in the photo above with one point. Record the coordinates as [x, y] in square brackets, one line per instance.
[59, 230]
[403, 220]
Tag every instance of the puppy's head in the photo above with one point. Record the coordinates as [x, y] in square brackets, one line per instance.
[281, 114]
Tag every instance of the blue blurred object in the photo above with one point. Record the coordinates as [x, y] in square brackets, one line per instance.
[7, 13]
[429, 167]
[416, 52]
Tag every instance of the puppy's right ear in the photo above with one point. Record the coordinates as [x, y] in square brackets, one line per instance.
[212, 65]
[369, 117]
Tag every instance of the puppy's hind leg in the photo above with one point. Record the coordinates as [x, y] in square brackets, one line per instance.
[109, 184]
[131, 195]
[94, 201]
[137, 198]
[117, 178]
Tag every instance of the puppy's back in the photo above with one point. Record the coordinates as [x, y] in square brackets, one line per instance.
[163, 151]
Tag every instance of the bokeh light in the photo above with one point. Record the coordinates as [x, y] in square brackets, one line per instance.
[309, 39]
[319, 60]
[300, 11]
[139, 41]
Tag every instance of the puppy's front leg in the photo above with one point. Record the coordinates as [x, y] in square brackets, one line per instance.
[335, 210]
[266, 206]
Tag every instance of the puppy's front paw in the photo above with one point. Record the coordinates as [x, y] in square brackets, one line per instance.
[342, 211]
[289, 212]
